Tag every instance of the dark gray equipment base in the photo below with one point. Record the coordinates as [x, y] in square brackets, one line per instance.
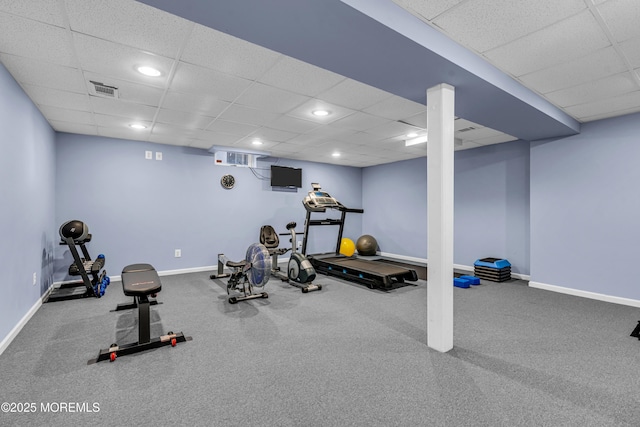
[140, 281]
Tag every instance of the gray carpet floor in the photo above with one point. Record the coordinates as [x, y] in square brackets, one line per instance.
[343, 356]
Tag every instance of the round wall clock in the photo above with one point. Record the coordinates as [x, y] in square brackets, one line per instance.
[228, 181]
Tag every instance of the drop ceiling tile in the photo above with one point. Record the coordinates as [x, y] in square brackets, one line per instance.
[357, 138]
[128, 91]
[622, 18]
[319, 136]
[427, 9]
[118, 61]
[468, 145]
[40, 73]
[32, 39]
[498, 139]
[359, 121]
[486, 24]
[57, 98]
[183, 119]
[418, 120]
[477, 133]
[611, 86]
[353, 94]
[601, 108]
[305, 111]
[563, 41]
[198, 80]
[396, 108]
[173, 130]
[106, 121]
[115, 107]
[47, 11]
[273, 135]
[465, 124]
[65, 115]
[610, 114]
[216, 138]
[246, 115]
[593, 66]
[299, 77]
[631, 50]
[269, 98]
[391, 130]
[284, 148]
[291, 124]
[130, 23]
[69, 127]
[232, 128]
[171, 140]
[201, 103]
[197, 143]
[213, 49]
[122, 133]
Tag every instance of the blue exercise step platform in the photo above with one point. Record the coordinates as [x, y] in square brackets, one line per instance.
[494, 269]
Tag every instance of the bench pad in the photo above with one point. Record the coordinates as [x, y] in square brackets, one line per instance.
[140, 279]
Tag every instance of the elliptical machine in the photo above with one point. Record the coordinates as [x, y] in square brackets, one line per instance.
[300, 272]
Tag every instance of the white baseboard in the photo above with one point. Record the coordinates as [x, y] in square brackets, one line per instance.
[585, 294]
[16, 329]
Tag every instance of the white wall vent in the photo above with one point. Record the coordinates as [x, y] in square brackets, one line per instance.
[102, 90]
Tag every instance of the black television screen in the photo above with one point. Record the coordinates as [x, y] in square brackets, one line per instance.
[282, 176]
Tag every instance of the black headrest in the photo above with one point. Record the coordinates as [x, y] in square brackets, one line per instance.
[75, 229]
[269, 237]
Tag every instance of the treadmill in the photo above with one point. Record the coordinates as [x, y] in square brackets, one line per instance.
[373, 273]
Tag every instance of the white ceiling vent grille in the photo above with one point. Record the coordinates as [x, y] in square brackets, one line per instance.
[467, 129]
[99, 89]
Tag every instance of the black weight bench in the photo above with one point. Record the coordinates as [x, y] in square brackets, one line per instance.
[140, 281]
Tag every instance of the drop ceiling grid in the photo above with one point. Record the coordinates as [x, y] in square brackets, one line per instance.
[503, 21]
[33, 39]
[41, 73]
[209, 48]
[129, 23]
[594, 90]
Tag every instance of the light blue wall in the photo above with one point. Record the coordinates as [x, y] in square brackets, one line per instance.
[394, 198]
[491, 205]
[27, 203]
[585, 209]
[141, 210]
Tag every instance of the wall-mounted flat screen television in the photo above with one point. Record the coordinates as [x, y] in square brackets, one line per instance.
[282, 176]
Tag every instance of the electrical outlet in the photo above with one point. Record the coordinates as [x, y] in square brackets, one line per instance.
[148, 155]
[178, 253]
[158, 155]
[35, 278]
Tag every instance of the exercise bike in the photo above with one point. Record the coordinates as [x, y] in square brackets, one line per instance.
[300, 272]
[253, 271]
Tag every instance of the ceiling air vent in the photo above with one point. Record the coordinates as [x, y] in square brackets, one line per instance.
[467, 129]
[99, 89]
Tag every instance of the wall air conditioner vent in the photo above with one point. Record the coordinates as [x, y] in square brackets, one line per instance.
[102, 90]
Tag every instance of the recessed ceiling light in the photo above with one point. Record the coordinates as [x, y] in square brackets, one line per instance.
[336, 154]
[256, 142]
[320, 113]
[148, 71]
[137, 126]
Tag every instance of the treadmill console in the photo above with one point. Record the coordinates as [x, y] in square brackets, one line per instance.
[319, 201]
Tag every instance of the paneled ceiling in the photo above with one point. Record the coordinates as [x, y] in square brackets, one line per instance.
[218, 90]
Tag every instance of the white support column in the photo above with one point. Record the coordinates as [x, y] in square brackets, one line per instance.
[440, 149]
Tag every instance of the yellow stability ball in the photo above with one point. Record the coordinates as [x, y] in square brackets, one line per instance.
[347, 247]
